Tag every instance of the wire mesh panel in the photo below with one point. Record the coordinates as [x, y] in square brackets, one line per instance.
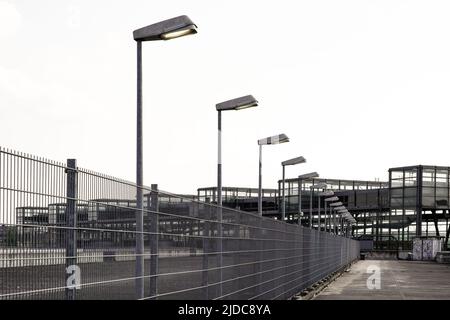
[70, 233]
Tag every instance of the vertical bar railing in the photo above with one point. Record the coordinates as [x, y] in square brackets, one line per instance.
[87, 218]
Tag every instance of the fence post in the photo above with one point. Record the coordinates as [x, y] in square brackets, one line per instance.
[206, 240]
[261, 248]
[154, 240]
[237, 255]
[71, 224]
[220, 248]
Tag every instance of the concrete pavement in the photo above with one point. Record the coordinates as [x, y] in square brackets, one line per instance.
[399, 280]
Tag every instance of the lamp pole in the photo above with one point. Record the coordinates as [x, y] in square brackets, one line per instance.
[219, 158]
[164, 30]
[235, 104]
[310, 206]
[301, 178]
[318, 212]
[290, 162]
[278, 139]
[299, 200]
[283, 204]
[336, 226]
[139, 182]
[330, 219]
[260, 182]
[321, 185]
[325, 213]
[326, 200]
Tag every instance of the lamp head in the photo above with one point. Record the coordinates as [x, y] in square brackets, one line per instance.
[166, 30]
[279, 138]
[321, 185]
[237, 104]
[294, 161]
[310, 175]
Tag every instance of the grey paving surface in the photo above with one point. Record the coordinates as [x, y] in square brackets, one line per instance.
[399, 280]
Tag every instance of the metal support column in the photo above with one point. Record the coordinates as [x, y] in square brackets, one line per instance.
[319, 217]
[299, 201]
[283, 204]
[139, 280]
[71, 242]
[219, 158]
[311, 191]
[260, 182]
[419, 202]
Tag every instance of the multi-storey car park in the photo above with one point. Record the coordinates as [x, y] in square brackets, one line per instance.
[415, 201]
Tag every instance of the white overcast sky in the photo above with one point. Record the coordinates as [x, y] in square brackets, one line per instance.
[358, 86]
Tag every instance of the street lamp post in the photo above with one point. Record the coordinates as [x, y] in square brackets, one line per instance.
[331, 200]
[326, 194]
[332, 221]
[280, 138]
[301, 178]
[164, 30]
[339, 208]
[314, 186]
[343, 212]
[234, 104]
[291, 162]
[346, 219]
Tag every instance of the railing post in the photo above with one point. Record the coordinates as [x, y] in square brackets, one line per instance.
[154, 237]
[219, 252]
[206, 241]
[261, 247]
[71, 232]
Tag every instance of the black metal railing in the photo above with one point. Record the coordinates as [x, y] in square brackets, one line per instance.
[70, 233]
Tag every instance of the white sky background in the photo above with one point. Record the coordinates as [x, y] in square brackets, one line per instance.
[358, 86]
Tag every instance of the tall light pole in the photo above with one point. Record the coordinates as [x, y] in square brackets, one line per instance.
[344, 216]
[234, 104]
[326, 194]
[348, 219]
[164, 30]
[314, 186]
[290, 162]
[342, 212]
[279, 138]
[337, 206]
[319, 209]
[302, 178]
[331, 200]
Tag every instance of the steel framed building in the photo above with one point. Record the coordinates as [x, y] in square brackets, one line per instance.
[415, 201]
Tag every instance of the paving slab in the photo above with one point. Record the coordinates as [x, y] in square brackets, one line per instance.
[399, 280]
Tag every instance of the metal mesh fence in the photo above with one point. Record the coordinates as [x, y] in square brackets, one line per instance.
[70, 233]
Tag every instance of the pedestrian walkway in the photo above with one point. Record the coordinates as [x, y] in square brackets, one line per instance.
[398, 280]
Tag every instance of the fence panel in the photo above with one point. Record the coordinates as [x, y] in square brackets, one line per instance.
[70, 233]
